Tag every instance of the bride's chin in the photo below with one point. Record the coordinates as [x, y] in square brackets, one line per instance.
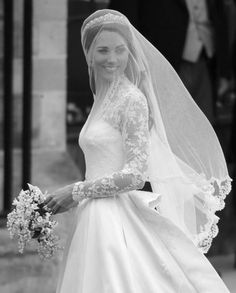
[109, 77]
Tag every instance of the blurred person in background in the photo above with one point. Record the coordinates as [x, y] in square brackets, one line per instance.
[193, 36]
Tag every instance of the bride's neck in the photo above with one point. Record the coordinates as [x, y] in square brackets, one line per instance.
[105, 85]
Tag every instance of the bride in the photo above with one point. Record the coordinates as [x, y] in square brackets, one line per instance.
[143, 126]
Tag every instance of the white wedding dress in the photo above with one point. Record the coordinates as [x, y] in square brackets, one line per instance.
[119, 244]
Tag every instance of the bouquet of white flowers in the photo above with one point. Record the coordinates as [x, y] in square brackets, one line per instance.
[30, 221]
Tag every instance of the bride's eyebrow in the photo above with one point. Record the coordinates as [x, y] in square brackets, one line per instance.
[118, 46]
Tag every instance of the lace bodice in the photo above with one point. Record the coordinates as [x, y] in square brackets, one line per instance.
[116, 146]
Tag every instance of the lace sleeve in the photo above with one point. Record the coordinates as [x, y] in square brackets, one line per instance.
[135, 135]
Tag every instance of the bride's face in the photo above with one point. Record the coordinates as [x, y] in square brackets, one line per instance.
[110, 55]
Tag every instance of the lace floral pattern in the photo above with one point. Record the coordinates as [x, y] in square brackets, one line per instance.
[215, 192]
[127, 112]
[125, 109]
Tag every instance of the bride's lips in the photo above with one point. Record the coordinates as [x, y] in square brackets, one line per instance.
[110, 68]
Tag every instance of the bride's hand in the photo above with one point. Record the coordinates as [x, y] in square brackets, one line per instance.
[61, 200]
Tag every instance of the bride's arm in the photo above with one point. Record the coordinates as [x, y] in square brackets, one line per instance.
[135, 136]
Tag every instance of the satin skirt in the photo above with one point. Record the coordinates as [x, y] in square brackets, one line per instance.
[120, 245]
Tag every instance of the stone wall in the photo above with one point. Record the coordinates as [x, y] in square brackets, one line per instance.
[49, 74]
[52, 166]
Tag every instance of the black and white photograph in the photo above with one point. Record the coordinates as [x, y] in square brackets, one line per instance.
[117, 146]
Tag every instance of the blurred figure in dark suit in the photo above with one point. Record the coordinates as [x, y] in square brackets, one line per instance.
[193, 36]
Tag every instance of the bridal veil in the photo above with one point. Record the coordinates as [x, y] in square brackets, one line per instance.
[185, 153]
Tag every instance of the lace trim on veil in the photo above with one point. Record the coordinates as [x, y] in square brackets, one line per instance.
[215, 192]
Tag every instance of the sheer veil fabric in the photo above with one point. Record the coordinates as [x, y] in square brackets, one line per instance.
[180, 134]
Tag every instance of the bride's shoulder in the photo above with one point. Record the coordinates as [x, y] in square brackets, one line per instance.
[130, 92]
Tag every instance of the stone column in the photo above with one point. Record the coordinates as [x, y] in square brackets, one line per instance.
[52, 166]
[49, 74]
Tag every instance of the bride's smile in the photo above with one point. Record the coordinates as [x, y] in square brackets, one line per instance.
[110, 55]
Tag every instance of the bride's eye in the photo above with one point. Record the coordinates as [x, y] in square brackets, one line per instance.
[120, 50]
[103, 51]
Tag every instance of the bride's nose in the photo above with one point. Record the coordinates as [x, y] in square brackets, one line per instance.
[112, 58]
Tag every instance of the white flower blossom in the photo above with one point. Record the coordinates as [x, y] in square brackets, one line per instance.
[29, 221]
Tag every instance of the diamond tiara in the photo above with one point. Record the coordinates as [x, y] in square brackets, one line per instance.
[107, 18]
